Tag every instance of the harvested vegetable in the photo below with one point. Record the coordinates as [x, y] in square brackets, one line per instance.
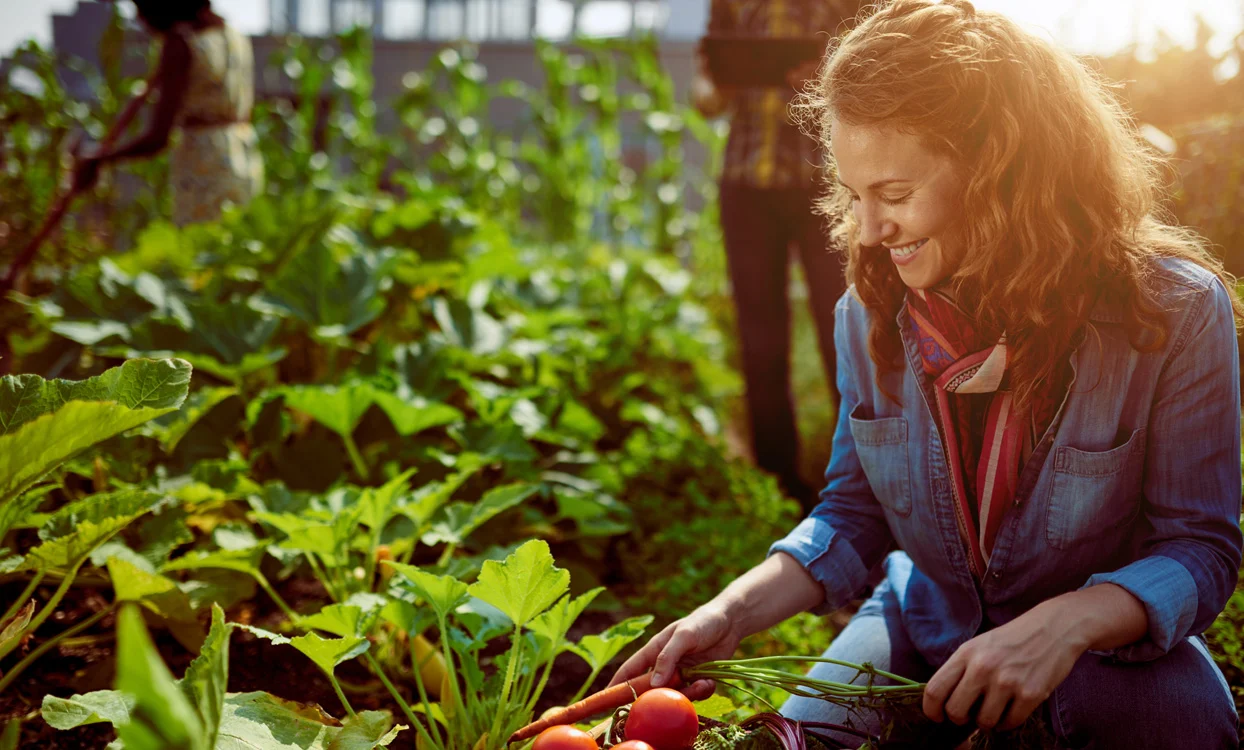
[663, 718]
[564, 737]
[597, 703]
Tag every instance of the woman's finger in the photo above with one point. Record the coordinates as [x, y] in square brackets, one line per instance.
[1021, 708]
[994, 707]
[700, 689]
[940, 686]
[680, 643]
[642, 659]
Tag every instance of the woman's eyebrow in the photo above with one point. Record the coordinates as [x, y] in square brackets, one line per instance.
[879, 183]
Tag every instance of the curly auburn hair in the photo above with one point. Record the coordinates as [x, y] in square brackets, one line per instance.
[1061, 201]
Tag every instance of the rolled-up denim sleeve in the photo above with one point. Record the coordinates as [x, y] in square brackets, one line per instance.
[846, 534]
[1192, 484]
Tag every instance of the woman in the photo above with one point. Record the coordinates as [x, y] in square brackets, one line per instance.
[206, 88]
[1040, 405]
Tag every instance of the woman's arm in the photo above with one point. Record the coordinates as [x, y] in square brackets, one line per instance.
[1192, 483]
[774, 590]
[172, 74]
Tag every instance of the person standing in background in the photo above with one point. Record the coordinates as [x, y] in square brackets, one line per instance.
[205, 86]
[767, 190]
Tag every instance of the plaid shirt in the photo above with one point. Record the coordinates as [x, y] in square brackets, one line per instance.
[766, 149]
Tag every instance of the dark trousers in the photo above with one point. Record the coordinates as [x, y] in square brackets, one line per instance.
[760, 227]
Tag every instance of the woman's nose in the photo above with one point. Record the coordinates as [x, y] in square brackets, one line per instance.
[875, 226]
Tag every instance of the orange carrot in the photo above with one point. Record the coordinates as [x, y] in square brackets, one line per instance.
[597, 703]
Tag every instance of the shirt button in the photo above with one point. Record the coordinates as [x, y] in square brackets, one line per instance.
[996, 574]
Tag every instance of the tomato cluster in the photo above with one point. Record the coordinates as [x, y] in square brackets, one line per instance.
[660, 719]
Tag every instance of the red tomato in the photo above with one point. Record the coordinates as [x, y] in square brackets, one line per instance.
[633, 745]
[663, 718]
[564, 737]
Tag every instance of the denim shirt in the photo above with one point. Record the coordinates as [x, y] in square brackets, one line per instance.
[1136, 482]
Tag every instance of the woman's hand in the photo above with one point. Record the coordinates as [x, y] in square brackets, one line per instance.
[1015, 666]
[704, 635]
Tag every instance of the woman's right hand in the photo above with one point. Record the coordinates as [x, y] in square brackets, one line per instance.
[704, 635]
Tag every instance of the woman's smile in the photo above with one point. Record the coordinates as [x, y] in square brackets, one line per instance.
[905, 254]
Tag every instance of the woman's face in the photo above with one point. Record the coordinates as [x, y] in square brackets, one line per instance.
[905, 197]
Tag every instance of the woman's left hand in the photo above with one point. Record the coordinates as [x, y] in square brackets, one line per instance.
[1015, 666]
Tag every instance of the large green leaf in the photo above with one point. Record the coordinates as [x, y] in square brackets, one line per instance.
[68, 551]
[524, 585]
[161, 718]
[337, 408]
[553, 624]
[340, 408]
[333, 298]
[260, 721]
[98, 508]
[599, 650]
[45, 422]
[443, 593]
[159, 595]
[207, 676]
[137, 384]
[456, 521]
[242, 560]
[16, 624]
[196, 408]
[420, 506]
[367, 730]
[377, 505]
[110, 706]
[327, 653]
[342, 619]
[416, 414]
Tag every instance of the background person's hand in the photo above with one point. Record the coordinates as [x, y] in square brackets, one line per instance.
[85, 173]
[704, 635]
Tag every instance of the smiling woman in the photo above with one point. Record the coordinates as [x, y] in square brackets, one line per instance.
[908, 204]
[1030, 358]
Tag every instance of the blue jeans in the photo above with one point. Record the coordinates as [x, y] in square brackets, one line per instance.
[1179, 700]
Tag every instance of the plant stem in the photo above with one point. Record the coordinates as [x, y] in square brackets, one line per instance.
[22, 598]
[341, 696]
[516, 652]
[48, 644]
[318, 570]
[530, 707]
[357, 458]
[47, 610]
[262, 580]
[423, 694]
[731, 664]
[583, 690]
[450, 548]
[453, 680]
[418, 725]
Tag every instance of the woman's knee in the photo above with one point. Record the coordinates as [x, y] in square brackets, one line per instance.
[1176, 701]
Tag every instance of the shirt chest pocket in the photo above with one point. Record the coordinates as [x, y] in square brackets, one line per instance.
[881, 445]
[1094, 493]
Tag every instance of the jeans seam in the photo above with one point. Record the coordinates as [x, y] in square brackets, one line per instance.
[1060, 720]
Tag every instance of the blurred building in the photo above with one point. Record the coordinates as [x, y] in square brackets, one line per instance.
[483, 20]
[407, 33]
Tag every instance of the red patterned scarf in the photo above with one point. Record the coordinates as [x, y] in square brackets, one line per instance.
[986, 438]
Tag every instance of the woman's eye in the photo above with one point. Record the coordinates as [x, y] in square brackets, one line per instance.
[895, 201]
